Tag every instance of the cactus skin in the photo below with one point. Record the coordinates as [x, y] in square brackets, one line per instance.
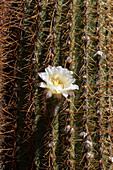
[75, 34]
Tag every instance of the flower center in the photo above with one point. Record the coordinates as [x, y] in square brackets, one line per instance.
[57, 80]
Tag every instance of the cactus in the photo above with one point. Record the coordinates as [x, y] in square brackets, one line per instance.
[66, 133]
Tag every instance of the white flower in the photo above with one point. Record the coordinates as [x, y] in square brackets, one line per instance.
[58, 81]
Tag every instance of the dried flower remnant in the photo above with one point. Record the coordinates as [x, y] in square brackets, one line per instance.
[110, 159]
[58, 81]
[88, 144]
[100, 53]
[83, 134]
[90, 155]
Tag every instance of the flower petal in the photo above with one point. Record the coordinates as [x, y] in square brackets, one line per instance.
[49, 94]
[71, 80]
[51, 86]
[74, 86]
[71, 93]
[71, 87]
[71, 72]
[43, 75]
[48, 70]
[59, 69]
[42, 84]
[65, 95]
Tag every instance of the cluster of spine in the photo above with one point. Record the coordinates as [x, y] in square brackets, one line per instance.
[30, 111]
[85, 109]
[87, 143]
[68, 32]
[50, 55]
[27, 63]
[68, 129]
[108, 101]
[52, 35]
[31, 74]
[51, 145]
[108, 110]
[10, 48]
[68, 141]
[98, 55]
[2, 118]
[43, 156]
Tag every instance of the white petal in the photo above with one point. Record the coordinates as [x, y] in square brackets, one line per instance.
[59, 69]
[42, 84]
[65, 71]
[49, 66]
[48, 70]
[58, 89]
[71, 72]
[53, 69]
[43, 75]
[51, 86]
[71, 93]
[74, 86]
[68, 75]
[49, 94]
[65, 95]
[71, 87]
[72, 80]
